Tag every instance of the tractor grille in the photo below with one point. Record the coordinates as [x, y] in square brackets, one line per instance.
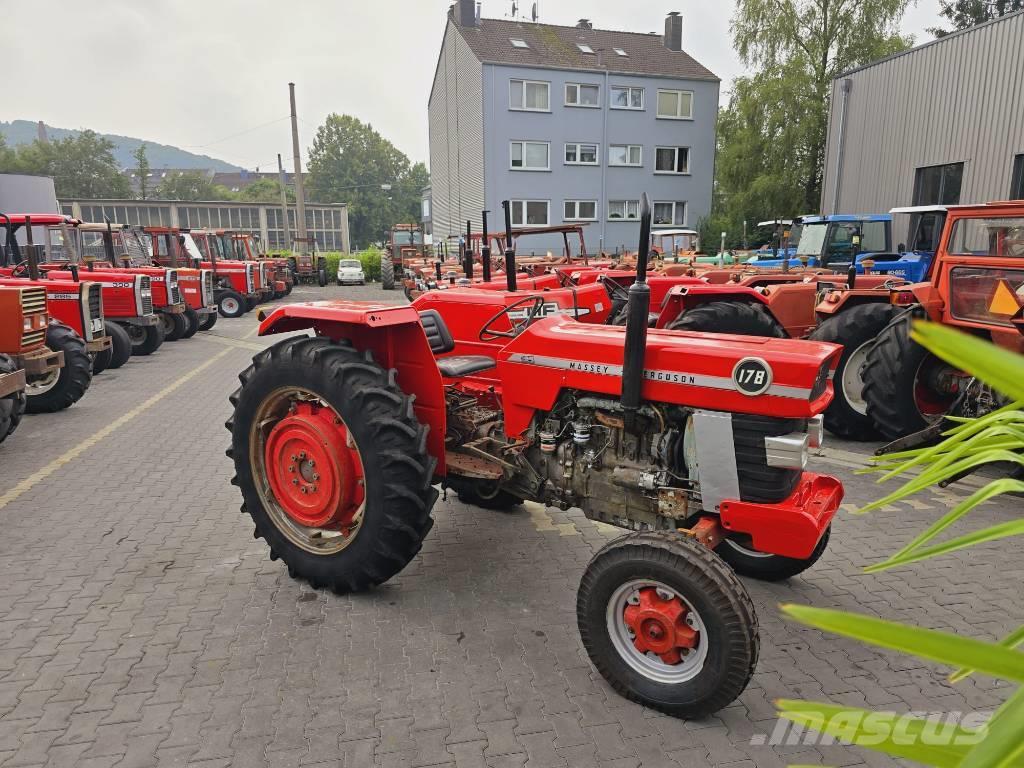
[146, 290]
[760, 483]
[95, 300]
[207, 287]
[92, 317]
[33, 302]
[173, 292]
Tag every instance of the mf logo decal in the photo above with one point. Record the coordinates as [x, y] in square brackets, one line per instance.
[549, 308]
[752, 376]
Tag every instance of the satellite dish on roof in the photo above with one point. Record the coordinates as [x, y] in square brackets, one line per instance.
[534, 13]
[514, 9]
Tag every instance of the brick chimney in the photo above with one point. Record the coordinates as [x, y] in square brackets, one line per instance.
[673, 32]
[465, 13]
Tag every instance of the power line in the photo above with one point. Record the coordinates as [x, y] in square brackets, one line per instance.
[233, 135]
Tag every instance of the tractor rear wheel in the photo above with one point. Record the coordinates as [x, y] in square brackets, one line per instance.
[741, 317]
[900, 378]
[856, 329]
[667, 623]
[208, 322]
[146, 339]
[747, 561]
[332, 463]
[231, 304]
[387, 273]
[192, 321]
[65, 386]
[12, 407]
[173, 326]
[121, 344]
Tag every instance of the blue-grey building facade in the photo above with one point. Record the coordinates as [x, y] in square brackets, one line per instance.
[572, 124]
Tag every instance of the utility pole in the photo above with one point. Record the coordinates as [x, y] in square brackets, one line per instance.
[300, 195]
[284, 202]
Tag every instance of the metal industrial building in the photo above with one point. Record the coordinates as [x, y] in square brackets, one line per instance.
[942, 123]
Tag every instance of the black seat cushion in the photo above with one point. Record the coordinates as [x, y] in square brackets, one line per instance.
[464, 365]
[438, 335]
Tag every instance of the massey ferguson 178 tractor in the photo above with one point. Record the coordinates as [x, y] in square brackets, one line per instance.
[167, 249]
[236, 284]
[695, 445]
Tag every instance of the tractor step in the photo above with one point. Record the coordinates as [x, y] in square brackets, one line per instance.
[40, 362]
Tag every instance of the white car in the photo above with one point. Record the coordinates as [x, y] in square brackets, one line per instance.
[351, 271]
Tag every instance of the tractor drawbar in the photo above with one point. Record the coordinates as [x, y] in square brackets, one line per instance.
[638, 306]
[510, 249]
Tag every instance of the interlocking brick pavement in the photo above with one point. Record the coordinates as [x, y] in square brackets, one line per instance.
[141, 624]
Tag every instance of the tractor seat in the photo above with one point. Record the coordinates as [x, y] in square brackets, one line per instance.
[441, 341]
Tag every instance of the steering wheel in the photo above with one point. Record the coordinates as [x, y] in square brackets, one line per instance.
[20, 269]
[536, 307]
[615, 289]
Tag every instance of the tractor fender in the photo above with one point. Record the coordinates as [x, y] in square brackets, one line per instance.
[682, 298]
[394, 336]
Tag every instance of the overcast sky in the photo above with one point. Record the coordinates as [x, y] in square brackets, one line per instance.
[210, 76]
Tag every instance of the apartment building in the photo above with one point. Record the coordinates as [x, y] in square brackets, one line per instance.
[572, 124]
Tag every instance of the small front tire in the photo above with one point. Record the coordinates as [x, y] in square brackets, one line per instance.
[763, 566]
[231, 304]
[146, 339]
[174, 326]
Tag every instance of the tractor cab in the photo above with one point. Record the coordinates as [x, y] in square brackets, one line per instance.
[778, 237]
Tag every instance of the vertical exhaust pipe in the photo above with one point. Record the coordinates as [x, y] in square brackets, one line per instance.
[467, 254]
[30, 251]
[485, 249]
[510, 249]
[638, 307]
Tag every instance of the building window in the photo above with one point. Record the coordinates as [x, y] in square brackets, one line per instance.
[675, 105]
[669, 214]
[580, 210]
[530, 156]
[1017, 183]
[518, 42]
[672, 160]
[625, 154]
[581, 154]
[529, 95]
[584, 48]
[530, 213]
[938, 184]
[620, 52]
[626, 97]
[582, 95]
[628, 210]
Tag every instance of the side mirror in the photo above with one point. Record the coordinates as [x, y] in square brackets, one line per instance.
[901, 248]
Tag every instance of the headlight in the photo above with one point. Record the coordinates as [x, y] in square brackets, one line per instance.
[816, 431]
[28, 323]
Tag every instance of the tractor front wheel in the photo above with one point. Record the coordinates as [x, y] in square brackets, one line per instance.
[667, 623]
[173, 326]
[146, 339]
[101, 360]
[64, 387]
[387, 273]
[192, 323]
[481, 493]
[747, 561]
[332, 463]
[231, 304]
[121, 344]
[906, 387]
[12, 407]
[742, 317]
[856, 329]
[208, 322]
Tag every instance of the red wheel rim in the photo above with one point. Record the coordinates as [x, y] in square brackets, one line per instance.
[659, 626]
[313, 467]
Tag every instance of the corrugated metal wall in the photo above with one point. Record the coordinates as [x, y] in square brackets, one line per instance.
[456, 137]
[960, 99]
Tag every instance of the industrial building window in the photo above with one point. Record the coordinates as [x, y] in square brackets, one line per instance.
[581, 154]
[530, 213]
[1017, 184]
[624, 209]
[529, 95]
[675, 105]
[627, 97]
[938, 184]
[582, 95]
[672, 160]
[625, 154]
[580, 210]
[529, 156]
[669, 214]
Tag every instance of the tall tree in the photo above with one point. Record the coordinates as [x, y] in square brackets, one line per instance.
[142, 165]
[82, 166]
[191, 185]
[796, 49]
[350, 162]
[968, 13]
[263, 191]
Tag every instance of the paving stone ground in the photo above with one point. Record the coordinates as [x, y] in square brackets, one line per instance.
[142, 625]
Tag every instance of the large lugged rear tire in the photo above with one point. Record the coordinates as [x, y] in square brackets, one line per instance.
[387, 273]
[746, 318]
[121, 344]
[67, 386]
[761, 565]
[667, 623]
[856, 329]
[364, 506]
[12, 407]
[898, 398]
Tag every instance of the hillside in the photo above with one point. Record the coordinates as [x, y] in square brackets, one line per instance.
[19, 132]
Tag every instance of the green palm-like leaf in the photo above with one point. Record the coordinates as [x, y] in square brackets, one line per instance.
[1012, 640]
[994, 365]
[993, 533]
[1003, 744]
[941, 647]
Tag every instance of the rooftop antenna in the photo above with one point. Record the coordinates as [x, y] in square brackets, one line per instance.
[535, 13]
[515, 9]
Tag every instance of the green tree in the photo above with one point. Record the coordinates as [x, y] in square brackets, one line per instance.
[142, 165]
[968, 13]
[81, 166]
[191, 185]
[263, 191]
[349, 162]
[8, 158]
[772, 132]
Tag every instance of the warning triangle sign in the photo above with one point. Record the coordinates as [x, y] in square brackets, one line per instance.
[1004, 300]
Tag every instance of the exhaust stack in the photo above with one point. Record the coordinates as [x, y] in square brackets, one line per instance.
[485, 249]
[638, 307]
[510, 249]
[467, 253]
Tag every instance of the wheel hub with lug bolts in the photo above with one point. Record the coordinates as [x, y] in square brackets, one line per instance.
[314, 467]
[659, 623]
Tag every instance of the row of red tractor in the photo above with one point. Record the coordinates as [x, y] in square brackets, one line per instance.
[78, 298]
[679, 407]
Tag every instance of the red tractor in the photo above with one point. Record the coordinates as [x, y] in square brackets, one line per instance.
[12, 391]
[308, 266]
[279, 274]
[696, 445]
[166, 249]
[237, 284]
